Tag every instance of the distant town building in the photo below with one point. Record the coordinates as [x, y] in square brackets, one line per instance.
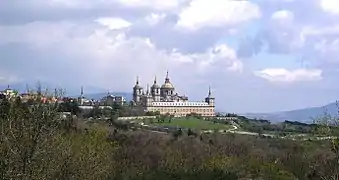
[9, 93]
[165, 100]
[105, 101]
[82, 101]
[110, 100]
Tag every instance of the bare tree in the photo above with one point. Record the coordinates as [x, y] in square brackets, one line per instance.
[25, 131]
[329, 166]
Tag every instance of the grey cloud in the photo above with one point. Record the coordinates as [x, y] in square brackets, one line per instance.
[292, 38]
[167, 38]
[14, 12]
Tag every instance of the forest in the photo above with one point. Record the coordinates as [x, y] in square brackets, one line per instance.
[38, 143]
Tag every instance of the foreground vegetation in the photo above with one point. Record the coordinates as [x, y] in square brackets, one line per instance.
[38, 143]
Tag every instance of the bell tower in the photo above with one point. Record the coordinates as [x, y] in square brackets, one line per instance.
[155, 90]
[149, 98]
[137, 91]
[210, 99]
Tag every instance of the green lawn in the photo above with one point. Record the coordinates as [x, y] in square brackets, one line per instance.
[192, 123]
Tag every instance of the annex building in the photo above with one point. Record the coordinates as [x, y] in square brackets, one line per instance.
[165, 100]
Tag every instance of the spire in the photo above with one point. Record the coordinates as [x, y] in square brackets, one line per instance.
[209, 92]
[137, 80]
[155, 79]
[55, 92]
[27, 89]
[82, 91]
[147, 92]
[167, 77]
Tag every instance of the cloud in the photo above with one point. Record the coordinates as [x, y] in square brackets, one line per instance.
[283, 15]
[330, 6]
[6, 79]
[107, 52]
[114, 23]
[311, 33]
[215, 13]
[290, 76]
[231, 45]
[87, 4]
[155, 18]
[155, 4]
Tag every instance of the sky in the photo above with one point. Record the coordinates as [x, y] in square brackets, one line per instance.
[257, 55]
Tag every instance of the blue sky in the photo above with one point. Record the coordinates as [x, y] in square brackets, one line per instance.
[258, 56]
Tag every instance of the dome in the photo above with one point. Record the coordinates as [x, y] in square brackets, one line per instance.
[167, 85]
[155, 86]
[137, 86]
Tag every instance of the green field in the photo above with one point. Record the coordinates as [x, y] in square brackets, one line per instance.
[193, 123]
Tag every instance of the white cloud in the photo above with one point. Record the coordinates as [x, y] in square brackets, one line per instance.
[283, 16]
[114, 23]
[289, 76]
[216, 13]
[155, 18]
[331, 6]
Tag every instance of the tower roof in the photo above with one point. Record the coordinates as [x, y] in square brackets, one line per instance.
[167, 84]
[209, 92]
[137, 86]
[155, 85]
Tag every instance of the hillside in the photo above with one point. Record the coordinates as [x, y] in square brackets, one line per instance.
[306, 115]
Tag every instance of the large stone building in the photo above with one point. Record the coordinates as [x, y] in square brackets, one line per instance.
[165, 100]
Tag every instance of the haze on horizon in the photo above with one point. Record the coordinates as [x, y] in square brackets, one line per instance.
[258, 55]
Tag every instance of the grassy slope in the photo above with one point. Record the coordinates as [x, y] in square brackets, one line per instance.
[192, 123]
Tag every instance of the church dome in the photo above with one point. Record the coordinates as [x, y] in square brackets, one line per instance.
[167, 85]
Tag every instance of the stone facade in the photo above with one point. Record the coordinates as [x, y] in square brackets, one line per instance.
[165, 100]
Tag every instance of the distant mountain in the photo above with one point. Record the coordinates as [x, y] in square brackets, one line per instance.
[306, 115]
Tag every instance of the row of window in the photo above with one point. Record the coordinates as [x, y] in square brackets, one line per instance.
[176, 110]
[211, 114]
[180, 104]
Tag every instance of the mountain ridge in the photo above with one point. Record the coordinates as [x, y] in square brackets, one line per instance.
[305, 115]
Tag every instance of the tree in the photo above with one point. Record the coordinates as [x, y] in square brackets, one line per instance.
[327, 125]
[25, 131]
[70, 106]
[95, 112]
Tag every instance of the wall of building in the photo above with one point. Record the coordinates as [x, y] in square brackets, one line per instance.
[179, 111]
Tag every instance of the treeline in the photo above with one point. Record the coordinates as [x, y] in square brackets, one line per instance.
[259, 125]
[35, 143]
